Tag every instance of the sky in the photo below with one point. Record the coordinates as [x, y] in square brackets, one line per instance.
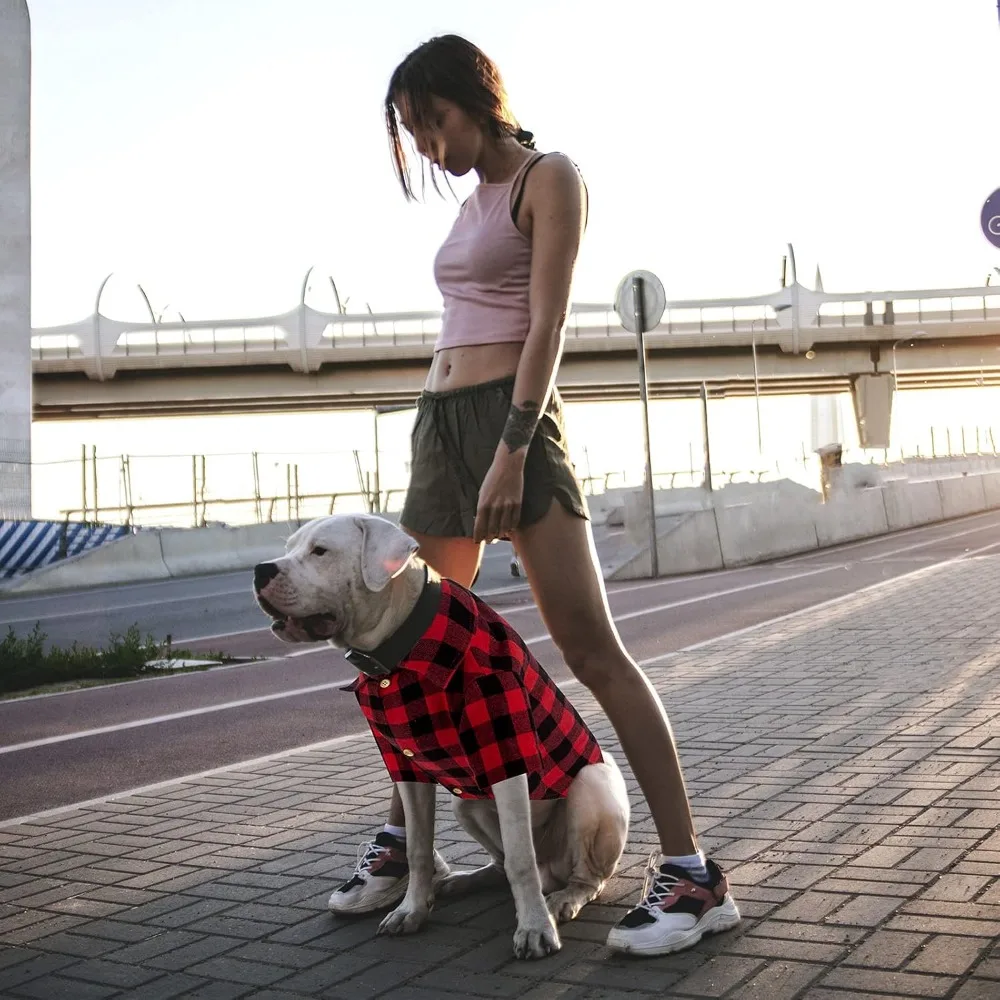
[216, 149]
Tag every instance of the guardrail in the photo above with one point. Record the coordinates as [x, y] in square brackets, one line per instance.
[304, 337]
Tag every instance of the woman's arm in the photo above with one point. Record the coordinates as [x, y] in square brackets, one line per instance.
[554, 203]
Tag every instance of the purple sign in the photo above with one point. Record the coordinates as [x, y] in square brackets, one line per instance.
[991, 218]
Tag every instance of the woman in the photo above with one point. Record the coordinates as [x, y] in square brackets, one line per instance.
[490, 458]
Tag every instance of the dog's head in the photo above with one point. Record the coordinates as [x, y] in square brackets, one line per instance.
[331, 581]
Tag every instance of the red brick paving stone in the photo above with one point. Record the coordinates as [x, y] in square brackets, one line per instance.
[784, 948]
[111, 973]
[170, 987]
[990, 969]
[800, 876]
[864, 887]
[545, 991]
[822, 993]
[983, 819]
[885, 949]
[275, 994]
[474, 986]
[884, 857]
[219, 991]
[976, 989]
[937, 908]
[810, 907]
[779, 981]
[58, 988]
[630, 975]
[865, 911]
[943, 925]
[947, 954]
[957, 888]
[931, 859]
[992, 894]
[717, 976]
[906, 983]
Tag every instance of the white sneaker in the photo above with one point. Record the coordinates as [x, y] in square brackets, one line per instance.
[676, 910]
[380, 877]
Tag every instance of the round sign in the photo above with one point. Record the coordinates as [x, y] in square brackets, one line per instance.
[654, 301]
[990, 218]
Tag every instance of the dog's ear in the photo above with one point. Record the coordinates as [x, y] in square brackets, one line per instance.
[385, 551]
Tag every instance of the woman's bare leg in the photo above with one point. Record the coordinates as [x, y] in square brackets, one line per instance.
[564, 573]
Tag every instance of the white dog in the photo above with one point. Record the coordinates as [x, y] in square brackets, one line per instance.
[453, 697]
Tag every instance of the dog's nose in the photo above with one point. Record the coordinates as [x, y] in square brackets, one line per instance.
[263, 574]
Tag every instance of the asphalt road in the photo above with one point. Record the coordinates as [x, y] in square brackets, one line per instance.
[181, 609]
[66, 748]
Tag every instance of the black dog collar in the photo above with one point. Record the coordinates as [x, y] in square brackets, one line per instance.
[390, 653]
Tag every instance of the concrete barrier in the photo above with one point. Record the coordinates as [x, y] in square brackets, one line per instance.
[962, 495]
[691, 546]
[991, 489]
[755, 532]
[220, 549]
[848, 517]
[135, 559]
[162, 553]
[686, 543]
[909, 504]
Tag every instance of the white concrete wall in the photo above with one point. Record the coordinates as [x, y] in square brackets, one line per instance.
[15, 261]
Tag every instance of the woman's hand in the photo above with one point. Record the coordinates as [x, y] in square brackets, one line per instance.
[499, 511]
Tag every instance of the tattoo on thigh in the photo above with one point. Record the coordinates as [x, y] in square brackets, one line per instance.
[521, 424]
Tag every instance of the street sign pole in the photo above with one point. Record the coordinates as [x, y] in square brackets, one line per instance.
[639, 308]
[640, 302]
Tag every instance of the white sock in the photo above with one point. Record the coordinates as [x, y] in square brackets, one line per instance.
[693, 864]
[399, 832]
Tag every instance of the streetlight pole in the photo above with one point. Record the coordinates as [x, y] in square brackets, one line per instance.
[756, 383]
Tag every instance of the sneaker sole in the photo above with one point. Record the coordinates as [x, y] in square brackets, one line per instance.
[384, 897]
[372, 901]
[718, 919]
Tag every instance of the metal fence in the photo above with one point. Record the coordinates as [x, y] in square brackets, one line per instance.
[259, 487]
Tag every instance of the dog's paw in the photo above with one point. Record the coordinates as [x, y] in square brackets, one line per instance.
[459, 883]
[531, 941]
[404, 919]
[564, 905]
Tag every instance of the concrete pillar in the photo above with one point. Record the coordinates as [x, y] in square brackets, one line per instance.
[872, 395]
[15, 261]
[827, 426]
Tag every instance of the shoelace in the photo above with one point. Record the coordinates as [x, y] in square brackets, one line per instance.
[657, 887]
[367, 855]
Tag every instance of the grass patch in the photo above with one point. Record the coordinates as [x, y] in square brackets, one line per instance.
[26, 664]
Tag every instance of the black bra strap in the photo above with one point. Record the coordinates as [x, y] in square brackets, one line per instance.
[520, 193]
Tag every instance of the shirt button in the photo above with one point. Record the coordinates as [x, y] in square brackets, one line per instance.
[385, 683]
[456, 791]
[407, 753]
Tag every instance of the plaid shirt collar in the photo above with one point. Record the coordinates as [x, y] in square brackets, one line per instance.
[391, 653]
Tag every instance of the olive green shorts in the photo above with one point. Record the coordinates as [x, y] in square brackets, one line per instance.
[454, 440]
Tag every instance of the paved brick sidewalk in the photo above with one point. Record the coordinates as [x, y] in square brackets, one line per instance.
[844, 764]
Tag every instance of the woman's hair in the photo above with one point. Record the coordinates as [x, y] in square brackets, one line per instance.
[453, 68]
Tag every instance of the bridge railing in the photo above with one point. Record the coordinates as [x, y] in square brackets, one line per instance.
[302, 336]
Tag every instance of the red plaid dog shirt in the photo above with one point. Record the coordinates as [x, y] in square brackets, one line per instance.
[468, 705]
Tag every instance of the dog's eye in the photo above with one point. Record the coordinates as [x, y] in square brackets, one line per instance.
[318, 550]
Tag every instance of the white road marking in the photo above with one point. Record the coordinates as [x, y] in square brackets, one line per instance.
[326, 649]
[149, 789]
[152, 721]
[835, 550]
[706, 597]
[571, 682]
[816, 607]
